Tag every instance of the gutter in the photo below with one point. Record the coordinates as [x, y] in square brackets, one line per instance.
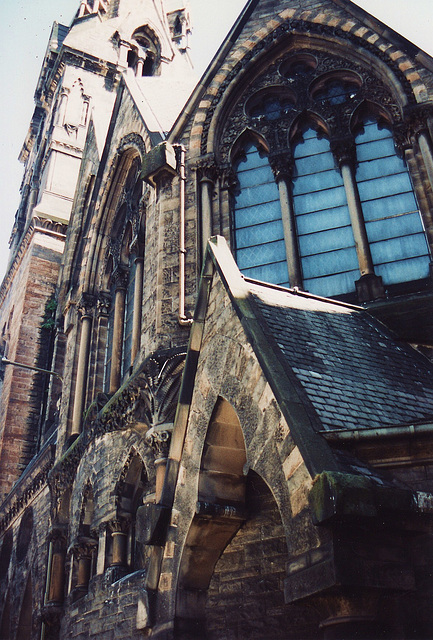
[364, 435]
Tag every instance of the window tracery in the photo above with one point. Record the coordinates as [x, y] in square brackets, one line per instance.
[124, 282]
[322, 115]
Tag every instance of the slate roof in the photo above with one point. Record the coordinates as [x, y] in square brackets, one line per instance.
[355, 374]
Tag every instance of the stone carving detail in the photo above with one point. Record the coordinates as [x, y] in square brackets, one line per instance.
[344, 150]
[86, 304]
[282, 165]
[150, 398]
[118, 525]
[337, 118]
[207, 168]
[159, 439]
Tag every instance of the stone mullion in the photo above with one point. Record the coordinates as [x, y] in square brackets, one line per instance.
[120, 277]
[138, 303]
[119, 530]
[369, 286]
[282, 166]
[86, 309]
[159, 439]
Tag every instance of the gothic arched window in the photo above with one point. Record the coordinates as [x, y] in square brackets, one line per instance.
[397, 241]
[336, 214]
[259, 236]
[325, 237]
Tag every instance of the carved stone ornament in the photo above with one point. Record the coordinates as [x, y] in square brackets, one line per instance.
[118, 525]
[51, 615]
[336, 115]
[159, 439]
[344, 150]
[149, 397]
[282, 165]
[86, 304]
[103, 304]
[207, 168]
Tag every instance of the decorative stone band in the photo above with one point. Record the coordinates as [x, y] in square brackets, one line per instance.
[148, 398]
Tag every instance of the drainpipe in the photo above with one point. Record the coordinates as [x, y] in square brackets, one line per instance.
[182, 319]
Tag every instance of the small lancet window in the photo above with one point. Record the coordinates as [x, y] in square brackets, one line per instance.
[326, 243]
[259, 234]
[393, 223]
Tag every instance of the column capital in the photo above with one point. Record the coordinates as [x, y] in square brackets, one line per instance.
[86, 304]
[103, 304]
[207, 168]
[118, 525]
[120, 278]
[282, 165]
[344, 151]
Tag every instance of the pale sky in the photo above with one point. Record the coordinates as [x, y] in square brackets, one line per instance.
[25, 26]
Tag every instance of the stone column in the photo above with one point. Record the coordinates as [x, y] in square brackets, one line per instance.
[124, 48]
[207, 173]
[370, 286]
[139, 68]
[282, 166]
[83, 552]
[56, 569]
[158, 438]
[120, 278]
[138, 301]
[86, 309]
[119, 536]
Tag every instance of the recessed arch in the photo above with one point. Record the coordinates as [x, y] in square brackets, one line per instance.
[24, 630]
[219, 514]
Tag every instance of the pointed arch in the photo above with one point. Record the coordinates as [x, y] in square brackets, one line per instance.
[325, 237]
[220, 512]
[24, 630]
[258, 232]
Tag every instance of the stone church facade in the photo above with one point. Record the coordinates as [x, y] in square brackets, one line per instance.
[217, 394]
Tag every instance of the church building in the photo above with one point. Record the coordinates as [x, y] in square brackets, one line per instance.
[216, 393]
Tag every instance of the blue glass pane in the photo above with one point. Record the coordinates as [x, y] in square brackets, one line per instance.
[316, 182]
[325, 236]
[328, 285]
[407, 247]
[393, 223]
[259, 234]
[259, 229]
[319, 200]
[381, 187]
[399, 226]
[275, 273]
[261, 254]
[326, 241]
[403, 270]
[322, 162]
[260, 194]
[389, 206]
[322, 220]
[249, 216]
[329, 263]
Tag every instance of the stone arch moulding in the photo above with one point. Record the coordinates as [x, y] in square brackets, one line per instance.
[220, 512]
[281, 40]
